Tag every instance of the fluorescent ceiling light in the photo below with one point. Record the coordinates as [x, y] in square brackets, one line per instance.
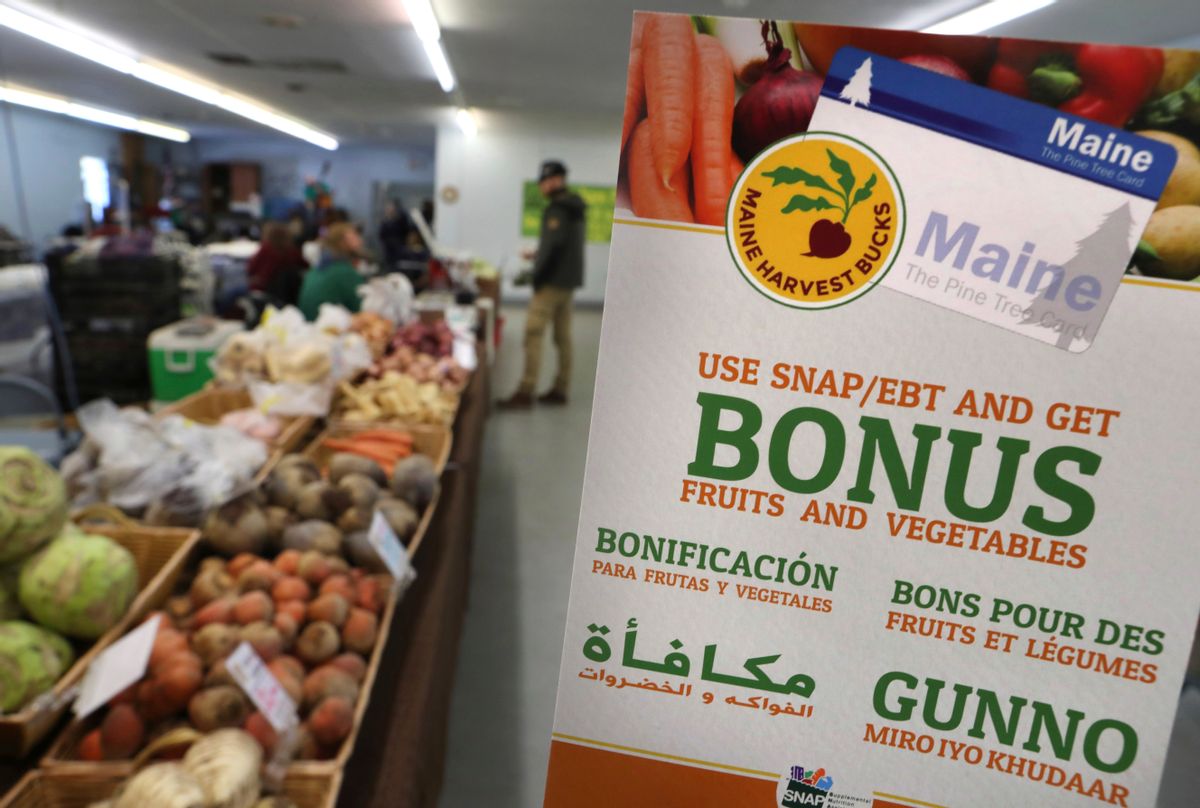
[61, 106]
[81, 45]
[441, 65]
[425, 25]
[160, 130]
[987, 16]
[466, 121]
[24, 98]
[424, 21]
[177, 83]
[60, 37]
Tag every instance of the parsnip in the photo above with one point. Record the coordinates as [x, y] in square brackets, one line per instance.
[226, 764]
[163, 785]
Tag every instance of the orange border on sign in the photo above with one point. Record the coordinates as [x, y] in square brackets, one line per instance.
[585, 773]
[585, 776]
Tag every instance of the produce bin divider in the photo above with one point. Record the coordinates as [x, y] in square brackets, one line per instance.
[47, 788]
[210, 404]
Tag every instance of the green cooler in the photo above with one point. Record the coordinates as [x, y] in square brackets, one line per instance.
[179, 355]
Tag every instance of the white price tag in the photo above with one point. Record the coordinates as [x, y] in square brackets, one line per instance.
[116, 668]
[248, 670]
[388, 547]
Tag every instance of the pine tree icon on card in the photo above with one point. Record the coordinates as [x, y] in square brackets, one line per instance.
[1109, 244]
[858, 90]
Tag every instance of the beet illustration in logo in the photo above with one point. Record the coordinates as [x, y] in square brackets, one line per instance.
[827, 238]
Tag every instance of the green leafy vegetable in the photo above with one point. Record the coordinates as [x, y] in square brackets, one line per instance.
[844, 172]
[790, 175]
[805, 203]
[864, 193]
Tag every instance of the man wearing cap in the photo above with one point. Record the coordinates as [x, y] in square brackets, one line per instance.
[557, 273]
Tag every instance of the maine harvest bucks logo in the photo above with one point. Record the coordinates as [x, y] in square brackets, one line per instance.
[815, 220]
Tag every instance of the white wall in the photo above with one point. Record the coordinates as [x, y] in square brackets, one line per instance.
[489, 171]
[352, 169]
[47, 148]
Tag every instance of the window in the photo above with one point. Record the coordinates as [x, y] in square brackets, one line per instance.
[94, 173]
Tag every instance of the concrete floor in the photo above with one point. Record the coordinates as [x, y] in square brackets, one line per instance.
[507, 673]
[528, 514]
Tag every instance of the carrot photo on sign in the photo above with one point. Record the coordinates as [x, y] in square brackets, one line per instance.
[711, 130]
[652, 198]
[635, 85]
[669, 69]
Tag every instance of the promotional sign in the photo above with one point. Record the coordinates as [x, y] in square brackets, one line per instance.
[600, 199]
[892, 418]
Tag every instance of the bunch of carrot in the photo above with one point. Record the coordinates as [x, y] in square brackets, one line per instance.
[384, 446]
[678, 122]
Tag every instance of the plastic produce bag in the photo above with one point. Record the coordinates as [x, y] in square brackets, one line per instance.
[352, 355]
[134, 464]
[171, 469]
[254, 423]
[302, 360]
[292, 399]
[223, 459]
[332, 319]
[390, 296]
[292, 366]
[240, 358]
[464, 351]
[348, 354]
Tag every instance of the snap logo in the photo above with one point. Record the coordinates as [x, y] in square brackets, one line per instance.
[815, 220]
[802, 787]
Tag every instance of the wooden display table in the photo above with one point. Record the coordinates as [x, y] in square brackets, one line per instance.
[400, 754]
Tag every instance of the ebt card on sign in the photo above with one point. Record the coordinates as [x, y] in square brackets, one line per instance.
[1002, 209]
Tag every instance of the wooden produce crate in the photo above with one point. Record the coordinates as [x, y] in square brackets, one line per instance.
[433, 441]
[63, 756]
[211, 404]
[46, 788]
[159, 554]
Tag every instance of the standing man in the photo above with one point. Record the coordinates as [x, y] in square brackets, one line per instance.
[557, 273]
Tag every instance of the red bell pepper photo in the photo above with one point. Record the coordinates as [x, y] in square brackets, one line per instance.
[1106, 83]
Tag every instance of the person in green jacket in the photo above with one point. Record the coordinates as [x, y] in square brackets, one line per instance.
[334, 279]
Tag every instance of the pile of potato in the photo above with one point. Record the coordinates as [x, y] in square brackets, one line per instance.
[295, 577]
[1173, 232]
[312, 618]
[300, 508]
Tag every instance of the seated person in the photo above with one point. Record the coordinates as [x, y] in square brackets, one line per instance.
[277, 267]
[335, 279]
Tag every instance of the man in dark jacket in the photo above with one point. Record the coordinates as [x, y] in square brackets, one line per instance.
[557, 273]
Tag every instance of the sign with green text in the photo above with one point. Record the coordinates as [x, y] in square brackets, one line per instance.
[887, 496]
[601, 201]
